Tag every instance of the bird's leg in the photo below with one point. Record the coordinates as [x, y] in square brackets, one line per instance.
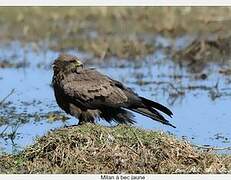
[86, 117]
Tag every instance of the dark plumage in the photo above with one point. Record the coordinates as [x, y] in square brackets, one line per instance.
[87, 94]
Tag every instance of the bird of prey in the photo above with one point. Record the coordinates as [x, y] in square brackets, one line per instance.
[88, 95]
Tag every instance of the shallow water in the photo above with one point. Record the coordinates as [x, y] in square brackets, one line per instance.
[200, 107]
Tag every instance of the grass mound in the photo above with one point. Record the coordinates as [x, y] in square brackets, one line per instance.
[122, 149]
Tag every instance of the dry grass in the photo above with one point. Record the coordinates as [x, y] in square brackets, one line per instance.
[202, 51]
[124, 32]
[122, 149]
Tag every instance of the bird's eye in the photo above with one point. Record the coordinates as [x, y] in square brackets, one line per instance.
[73, 60]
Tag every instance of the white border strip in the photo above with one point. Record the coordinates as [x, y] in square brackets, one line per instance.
[115, 3]
[118, 177]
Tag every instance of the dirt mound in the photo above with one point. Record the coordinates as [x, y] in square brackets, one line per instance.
[122, 149]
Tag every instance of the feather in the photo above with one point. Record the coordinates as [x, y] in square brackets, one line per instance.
[87, 94]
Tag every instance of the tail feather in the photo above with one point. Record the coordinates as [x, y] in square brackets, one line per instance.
[156, 105]
[150, 110]
[155, 115]
[119, 115]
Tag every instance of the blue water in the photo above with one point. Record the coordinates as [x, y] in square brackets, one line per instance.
[199, 118]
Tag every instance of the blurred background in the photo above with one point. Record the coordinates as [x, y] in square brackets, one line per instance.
[178, 56]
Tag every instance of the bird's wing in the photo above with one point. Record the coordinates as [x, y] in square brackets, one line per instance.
[93, 89]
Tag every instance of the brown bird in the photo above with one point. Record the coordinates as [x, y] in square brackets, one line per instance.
[87, 95]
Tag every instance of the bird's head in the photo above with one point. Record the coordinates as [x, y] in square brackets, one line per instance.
[66, 62]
